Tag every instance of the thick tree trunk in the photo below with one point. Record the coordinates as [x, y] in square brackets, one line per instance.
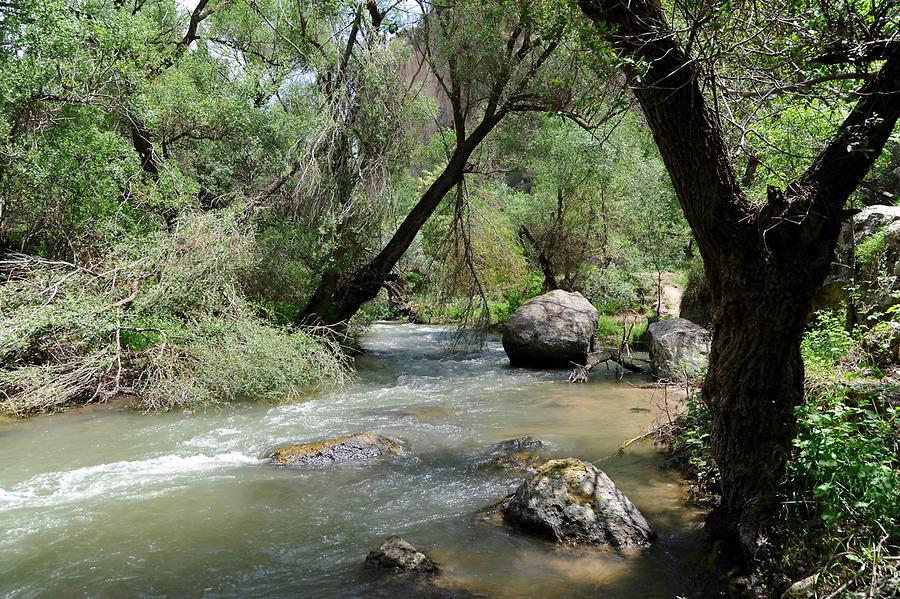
[762, 264]
[754, 382]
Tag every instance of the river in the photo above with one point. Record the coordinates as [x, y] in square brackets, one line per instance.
[109, 502]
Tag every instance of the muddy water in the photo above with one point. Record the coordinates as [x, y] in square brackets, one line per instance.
[107, 502]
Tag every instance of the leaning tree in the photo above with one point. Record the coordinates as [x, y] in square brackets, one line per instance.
[764, 257]
[488, 61]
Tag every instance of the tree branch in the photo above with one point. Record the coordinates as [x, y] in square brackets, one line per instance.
[868, 52]
[837, 171]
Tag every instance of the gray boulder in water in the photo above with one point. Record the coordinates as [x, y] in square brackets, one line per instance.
[401, 557]
[575, 503]
[678, 348]
[359, 446]
[551, 330]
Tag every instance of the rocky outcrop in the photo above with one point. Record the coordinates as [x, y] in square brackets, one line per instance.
[359, 446]
[550, 331]
[678, 348]
[867, 257]
[401, 557]
[573, 502]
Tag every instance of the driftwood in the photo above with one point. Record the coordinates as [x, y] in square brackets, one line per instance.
[620, 356]
[622, 362]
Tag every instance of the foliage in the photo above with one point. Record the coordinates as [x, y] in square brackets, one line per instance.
[870, 248]
[847, 452]
[612, 290]
[690, 443]
[162, 317]
[826, 343]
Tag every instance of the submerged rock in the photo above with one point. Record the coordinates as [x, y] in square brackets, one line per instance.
[519, 460]
[678, 348]
[517, 454]
[550, 331]
[518, 444]
[401, 557]
[573, 502]
[359, 446]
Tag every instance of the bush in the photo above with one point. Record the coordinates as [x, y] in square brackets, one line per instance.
[827, 342]
[611, 290]
[848, 454]
[163, 317]
[690, 443]
[870, 248]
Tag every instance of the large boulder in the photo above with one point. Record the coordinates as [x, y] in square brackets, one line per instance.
[573, 502]
[359, 446]
[678, 348]
[551, 330]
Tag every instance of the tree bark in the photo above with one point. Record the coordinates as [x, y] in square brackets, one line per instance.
[550, 282]
[763, 264]
[140, 138]
[367, 282]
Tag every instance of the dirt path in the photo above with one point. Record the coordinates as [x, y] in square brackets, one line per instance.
[671, 295]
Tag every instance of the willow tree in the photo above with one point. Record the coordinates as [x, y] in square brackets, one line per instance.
[764, 259]
[489, 60]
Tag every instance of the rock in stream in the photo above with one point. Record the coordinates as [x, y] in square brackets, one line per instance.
[550, 331]
[401, 557]
[573, 502]
[359, 446]
[517, 454]
[678, 348]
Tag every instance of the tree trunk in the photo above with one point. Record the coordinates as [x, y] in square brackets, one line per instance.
[762, 264]
[754, 382]
[550, 282]
[140, 138]
[367, 282]
[316, 310]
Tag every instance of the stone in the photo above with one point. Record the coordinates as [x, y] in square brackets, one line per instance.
[401, 557]
[802, 588]
[573, 502]
[359, 446]
[519, 461]
[552, 330]
[678, 349]
[867, 256]
[518, 444]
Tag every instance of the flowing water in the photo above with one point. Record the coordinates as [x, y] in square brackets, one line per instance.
[109, 502]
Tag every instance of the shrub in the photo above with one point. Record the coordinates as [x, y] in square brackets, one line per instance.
[827, 342]
[611, 290]
[870, 248]
[163, 317]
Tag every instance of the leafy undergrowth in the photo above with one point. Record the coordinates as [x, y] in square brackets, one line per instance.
[163, 318]
[840, 497]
